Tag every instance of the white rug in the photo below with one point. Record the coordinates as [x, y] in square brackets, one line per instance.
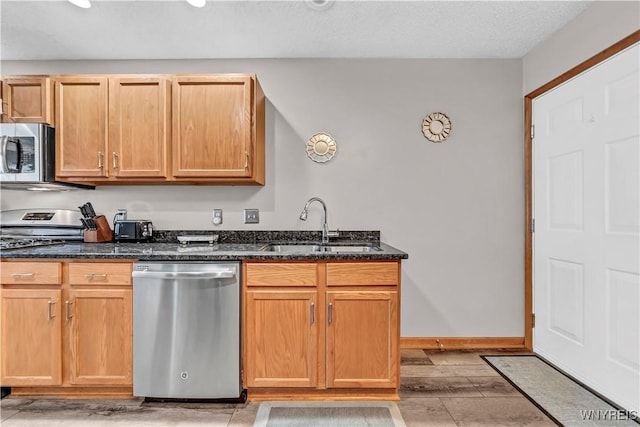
[329, 413]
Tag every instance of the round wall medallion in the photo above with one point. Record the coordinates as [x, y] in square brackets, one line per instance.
[436, 127]
[321, 147]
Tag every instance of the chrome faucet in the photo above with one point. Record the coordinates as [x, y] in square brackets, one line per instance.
[325, 228]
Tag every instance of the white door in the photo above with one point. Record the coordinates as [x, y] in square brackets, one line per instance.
[587, 227]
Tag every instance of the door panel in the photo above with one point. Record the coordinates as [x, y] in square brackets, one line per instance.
[623, 345]
[100, 336]
[81, 126]
[587, 236]
[566, 299]
[361, 339]
[212, 123]
[623, 182]
[139, 120]
[31, 323]
[281, 338]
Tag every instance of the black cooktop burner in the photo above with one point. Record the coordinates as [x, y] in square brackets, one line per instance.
[21, 242]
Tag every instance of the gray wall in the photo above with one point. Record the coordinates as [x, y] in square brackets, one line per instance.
[598, 27]
[456, 207]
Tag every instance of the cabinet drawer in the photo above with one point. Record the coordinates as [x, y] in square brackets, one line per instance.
[282, 274]
[99, 273]
[41, 273]
[363, 274]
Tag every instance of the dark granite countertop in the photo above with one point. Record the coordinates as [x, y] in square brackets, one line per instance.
[231, 246]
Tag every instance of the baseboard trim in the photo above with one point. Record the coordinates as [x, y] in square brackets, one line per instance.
[461, 343]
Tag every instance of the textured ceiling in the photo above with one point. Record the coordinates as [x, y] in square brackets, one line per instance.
[172, 29]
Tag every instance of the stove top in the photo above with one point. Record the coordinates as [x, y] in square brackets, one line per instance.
[7, 243]
[27, 228]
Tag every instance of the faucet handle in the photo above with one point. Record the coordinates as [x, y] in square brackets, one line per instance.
[334, 233]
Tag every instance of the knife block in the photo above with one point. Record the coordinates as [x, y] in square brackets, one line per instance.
[102, 234]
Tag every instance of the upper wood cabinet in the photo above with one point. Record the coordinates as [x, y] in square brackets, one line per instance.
[81, 133]
[139, 126]
[148, 129]
[218, 128]
[112, 128]
[27, 99]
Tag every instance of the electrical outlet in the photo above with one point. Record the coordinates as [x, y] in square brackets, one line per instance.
[251, 216]
[217, 217]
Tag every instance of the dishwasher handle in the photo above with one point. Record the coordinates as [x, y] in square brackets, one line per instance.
[220, 274]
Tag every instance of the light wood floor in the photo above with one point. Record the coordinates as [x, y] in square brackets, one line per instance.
[450, 388]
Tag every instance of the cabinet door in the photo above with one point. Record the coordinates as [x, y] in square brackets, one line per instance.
[362, 339]
[31, 337]
[100, 336]
[28, 99]
[212, 126]
[139, 122]
[281, 338]
[81, 126]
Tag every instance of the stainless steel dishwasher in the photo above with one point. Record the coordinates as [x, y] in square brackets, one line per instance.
[186, 330]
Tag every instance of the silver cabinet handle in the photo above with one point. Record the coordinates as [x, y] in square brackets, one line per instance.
[50, 314]
[330, 314]
[23, 275]
[115, 160]
[96, 276]
[100, 160]
[312, 313]
[67, 310]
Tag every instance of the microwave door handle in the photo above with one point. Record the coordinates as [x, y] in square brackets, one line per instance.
[4, 141]
[4, 166]
[18, 156]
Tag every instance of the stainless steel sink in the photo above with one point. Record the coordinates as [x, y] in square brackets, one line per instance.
[351, 248]
[320, 248]
[291, 248]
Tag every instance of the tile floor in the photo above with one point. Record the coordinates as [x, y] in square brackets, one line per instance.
[449, 388]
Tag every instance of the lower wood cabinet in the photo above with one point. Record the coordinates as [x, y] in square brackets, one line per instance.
[100, 336]
[362, 339]
[281, 338]
[75, 331]
[325, 330]
[31, 337]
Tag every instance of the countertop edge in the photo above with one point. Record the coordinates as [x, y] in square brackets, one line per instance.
[145, 252]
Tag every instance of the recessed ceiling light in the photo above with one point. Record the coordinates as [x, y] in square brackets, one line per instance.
[197, 3]
[85, 4]
[320, 4]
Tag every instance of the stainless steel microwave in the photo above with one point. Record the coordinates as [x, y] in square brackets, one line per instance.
[27, 158]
